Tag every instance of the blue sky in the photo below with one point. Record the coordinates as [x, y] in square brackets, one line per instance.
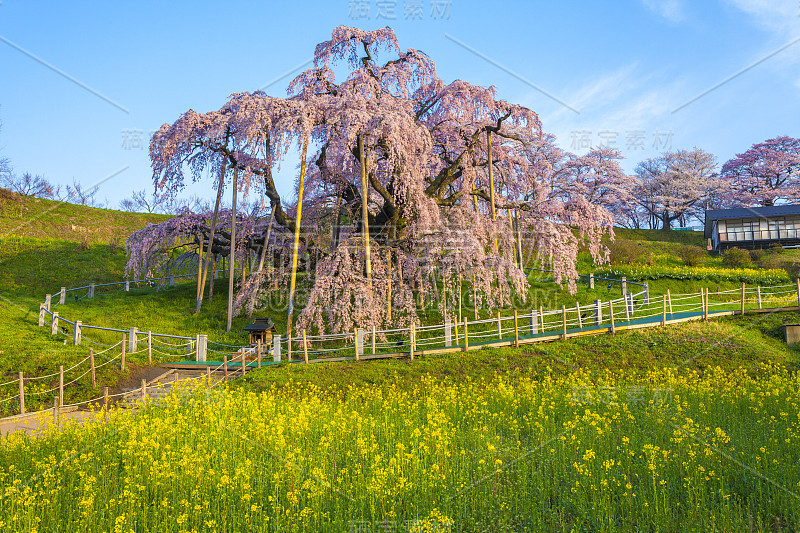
[83, 82]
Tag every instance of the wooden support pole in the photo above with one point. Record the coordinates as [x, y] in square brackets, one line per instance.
[56, 412]
[466, 335]
[627, 297]
[225, 365]
[743, 290]
[60, 384]
[244, 363]
[305, 346]
[664, 310]
[144, 389]
[564, 321]
[373, 340]
[149, 347]
[208, 376]
[455, 330]
[293, 283]
[232, 255]
[365, 208]
[21, 394]
[758, 293]
[199, 267]
[611, 313]
[475, 298]
[358, 348]
[289, 346]
[516, 329]
[580, 318]
[491, 183]
[541, 317]
[499, 327]
[389, 289]
[705, 304]
[258, 353]
[91, 363]
[105, 399]
[122, 357]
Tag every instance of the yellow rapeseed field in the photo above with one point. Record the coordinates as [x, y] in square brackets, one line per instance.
[589, 452]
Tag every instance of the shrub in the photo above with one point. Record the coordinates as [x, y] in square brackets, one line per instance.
[746, 275]
[625, 252]
[736, 258]
[86, 242]
[757, 255]
[692, 255]
[776, 249]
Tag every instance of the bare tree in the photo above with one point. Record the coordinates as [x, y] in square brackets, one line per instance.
[142, 202]
[27, 184]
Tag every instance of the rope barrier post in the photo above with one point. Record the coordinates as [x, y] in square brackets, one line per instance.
[56, 414]
[91, 363]
[244, 363]
[91, 291]
[127, 285]
[41, 315]
[144, 389]
[289, 346]
[133, 339]
[225, 365]
[411, 341]
[611, 314]
[21, 394]
[580, 318]
[305, 346]
[758, 292]
[664, 310]
[76, 333]
[705, 304]
[448, 334]
[258, 353]
[627, 307]
[47, 300]
[54, 324]
[208, 376]
[105, 400]
[61, 385]
[516, 330]
[149, 347]
[541, 317]
[669, 303]
[534, 323]
[591, 280]
[122, 358]
[743, 298]
[62, 296]
[357, 337]
[624, 286]
[373, 340]
[466, 336]
[563, 321]
[499, 327]
[646, 293]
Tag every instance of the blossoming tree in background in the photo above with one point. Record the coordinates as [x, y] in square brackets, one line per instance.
[768, 173]
[411, 190]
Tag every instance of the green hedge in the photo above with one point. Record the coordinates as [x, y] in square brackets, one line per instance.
[746, 275]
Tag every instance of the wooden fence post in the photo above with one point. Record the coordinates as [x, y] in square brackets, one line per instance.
[41, 315]
[611, 314]
[373, 340]
[534, 323]
[664, 310]
[144, 389]
[91, 363]
[624, 285]
[105, 399]
[149, 347]
[499, 327]
[411, 340]
[758, 293]
[798, 294]
[448, 333]
[127, 285]
[289, 346]
[358, 348]
[62, 296]
[76, 333]
[627, 298]
[705, 304]
[133, 339]
[56, 412]
[563, 321]
[208, 376]
[580, 318]
[466, 335]
[591, 280]
[305, 346]
[54, 324]
[47, 301]
[743, 298]
[258, 352]
[225, 365]
[516, 330]
[669, 303]
[541, 318]
[598, 312]
[61, 385]
[21, 394]
[122, 359]
[244, 363]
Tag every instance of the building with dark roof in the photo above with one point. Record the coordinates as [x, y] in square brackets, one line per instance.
[752, 227]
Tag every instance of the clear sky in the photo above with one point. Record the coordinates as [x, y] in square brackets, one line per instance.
[83, 84]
